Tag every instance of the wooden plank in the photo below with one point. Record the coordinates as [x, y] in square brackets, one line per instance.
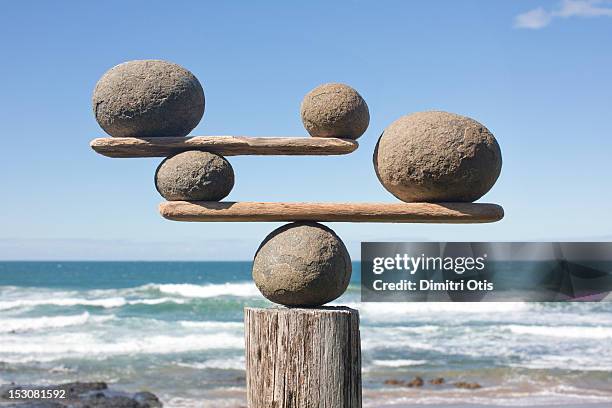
[298, 358]
[212, 211]
[223, 145]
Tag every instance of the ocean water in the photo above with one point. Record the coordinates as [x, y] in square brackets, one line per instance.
[176, 329]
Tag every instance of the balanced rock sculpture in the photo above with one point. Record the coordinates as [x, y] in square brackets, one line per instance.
[437, 157]
[428, 157]
[194, 175]
[148, 98]
[335, 110]
[302, 264]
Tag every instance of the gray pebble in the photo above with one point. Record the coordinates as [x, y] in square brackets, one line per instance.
[194, 176]
[148, 98]
[437, 157]
[302, 264]
[335, 110]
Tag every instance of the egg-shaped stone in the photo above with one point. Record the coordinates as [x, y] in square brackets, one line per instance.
[148, 98]
[335, 110]
[302, 264]
[194, 176]
[437, 157]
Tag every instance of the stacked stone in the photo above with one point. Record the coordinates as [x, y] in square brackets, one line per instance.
[153, 98]
[422, 157]
[299, 264]
[306, 264]
[437, 157]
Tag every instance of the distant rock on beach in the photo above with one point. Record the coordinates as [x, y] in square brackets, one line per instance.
[80, 395]
[418, 382]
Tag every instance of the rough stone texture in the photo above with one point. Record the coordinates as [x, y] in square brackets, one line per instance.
[335, 110]
[437, 157]
[81, 395]
[302, 264]
[148, 98]
[194, 175]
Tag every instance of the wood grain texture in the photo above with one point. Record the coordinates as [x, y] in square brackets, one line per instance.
[209, 211]
[223, 145]
[303, 358]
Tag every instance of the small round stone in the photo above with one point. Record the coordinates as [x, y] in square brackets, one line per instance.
[436, 157]
[194, 176]
[335, 110]
[148, 98]
[302, 264]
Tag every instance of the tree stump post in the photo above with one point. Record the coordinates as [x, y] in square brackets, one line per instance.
[303, 358]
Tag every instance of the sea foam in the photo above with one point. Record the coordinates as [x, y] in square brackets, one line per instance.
[398, 363]
[236, 363]
[25, 303]
[571, 332]
[397, 312]
[48, 322]
[88, 345]
[212, 325]
[241, 289]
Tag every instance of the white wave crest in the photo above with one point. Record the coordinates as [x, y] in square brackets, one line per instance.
[157, 301]
[395, 312]
[406, 342]
[48, 322]
[243, 289]
[211, 325]
[572, 362]
[398, 363]
[85, 345]
[569, 332]
[221, 364]
[107, 303]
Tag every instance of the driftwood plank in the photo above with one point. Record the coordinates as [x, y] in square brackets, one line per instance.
[223, 145]
[452, 213]
[303, 358]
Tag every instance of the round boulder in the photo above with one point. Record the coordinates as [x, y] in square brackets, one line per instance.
[437, 157]
[194, 176]
[335, 110]
[302, 264]
[148, 98]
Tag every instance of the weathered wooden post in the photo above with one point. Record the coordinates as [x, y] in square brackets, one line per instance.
[302, 358]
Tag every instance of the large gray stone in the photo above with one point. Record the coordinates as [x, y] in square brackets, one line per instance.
[335, 110]
[148, 98]
[302, 264]
[195, 176]
[437, 157]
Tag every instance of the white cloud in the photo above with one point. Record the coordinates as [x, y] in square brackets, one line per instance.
[583, 8]
[539, 17]
[536, 18]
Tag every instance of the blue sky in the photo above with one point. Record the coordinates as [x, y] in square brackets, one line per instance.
[536, 73]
